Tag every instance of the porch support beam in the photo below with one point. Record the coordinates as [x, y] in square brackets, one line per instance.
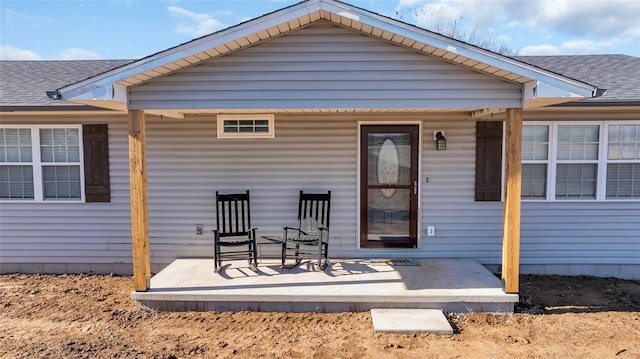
[511, 230]
[139, 207]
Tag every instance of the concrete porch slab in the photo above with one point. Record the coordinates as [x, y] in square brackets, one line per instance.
[410, 321]
[452, 285]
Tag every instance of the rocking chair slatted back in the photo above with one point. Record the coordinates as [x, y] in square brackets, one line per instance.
[233, 215]
[316, 206]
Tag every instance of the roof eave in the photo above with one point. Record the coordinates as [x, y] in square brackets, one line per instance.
[98, 87]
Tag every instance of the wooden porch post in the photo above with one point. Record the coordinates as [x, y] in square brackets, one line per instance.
[139, 209]
[511, 231]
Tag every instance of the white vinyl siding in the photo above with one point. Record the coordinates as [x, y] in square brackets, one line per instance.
[41, 163]
[325, 67]
[187, 164]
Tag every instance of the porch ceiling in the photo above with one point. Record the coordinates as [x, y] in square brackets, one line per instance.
[541, 87]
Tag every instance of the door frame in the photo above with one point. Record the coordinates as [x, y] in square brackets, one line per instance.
[359, 174]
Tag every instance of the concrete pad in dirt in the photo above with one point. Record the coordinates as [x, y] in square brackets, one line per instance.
[411, 321]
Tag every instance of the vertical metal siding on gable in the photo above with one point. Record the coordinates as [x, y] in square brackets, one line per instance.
[325, 66]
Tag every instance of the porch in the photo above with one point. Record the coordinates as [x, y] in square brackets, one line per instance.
[450, 284]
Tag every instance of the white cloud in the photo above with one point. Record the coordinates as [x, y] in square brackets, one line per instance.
[598, 18]
[539, 50]
[583, 47]
[14, 53]
[405, 3]
[504, 38]
[584, 25]
[570, 47]
[199, 24]
[78, 54]
[480, 14]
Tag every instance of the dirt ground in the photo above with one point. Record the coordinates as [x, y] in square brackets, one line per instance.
[92, 316]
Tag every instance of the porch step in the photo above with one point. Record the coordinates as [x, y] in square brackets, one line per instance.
[410, 321]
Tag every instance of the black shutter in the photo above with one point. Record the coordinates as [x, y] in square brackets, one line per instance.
[96, 163]
[488, 160]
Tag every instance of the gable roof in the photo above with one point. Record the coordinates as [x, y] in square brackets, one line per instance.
[617, 76]
[109, 89]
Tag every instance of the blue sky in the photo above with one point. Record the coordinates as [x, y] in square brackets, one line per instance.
[117, 29]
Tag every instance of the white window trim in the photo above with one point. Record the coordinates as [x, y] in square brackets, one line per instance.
[36, 163]
[271, 133]
[601, 180]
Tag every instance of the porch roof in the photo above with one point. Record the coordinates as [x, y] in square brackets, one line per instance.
[109, 89]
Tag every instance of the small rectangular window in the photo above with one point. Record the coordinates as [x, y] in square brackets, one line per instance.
[246, 126]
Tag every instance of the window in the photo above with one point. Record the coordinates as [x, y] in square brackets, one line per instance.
[535, 161]
[246, 126]
[580, 161]
[577, 161]
[39, 163]
[623, 161]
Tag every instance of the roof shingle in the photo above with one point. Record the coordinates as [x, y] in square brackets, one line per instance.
[24, 83]
[619, 75]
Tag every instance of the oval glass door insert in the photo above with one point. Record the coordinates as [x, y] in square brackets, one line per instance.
[388, 167]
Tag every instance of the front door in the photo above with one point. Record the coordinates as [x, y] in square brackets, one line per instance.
[389, 186]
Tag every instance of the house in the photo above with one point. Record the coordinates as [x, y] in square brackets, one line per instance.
[540, 171]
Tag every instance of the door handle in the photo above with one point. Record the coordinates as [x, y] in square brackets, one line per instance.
[415, 187]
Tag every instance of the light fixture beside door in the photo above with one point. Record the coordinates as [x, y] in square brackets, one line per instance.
[440, 140]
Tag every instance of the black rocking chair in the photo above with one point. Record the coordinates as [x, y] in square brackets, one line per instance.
[233, 222]
[311, 238]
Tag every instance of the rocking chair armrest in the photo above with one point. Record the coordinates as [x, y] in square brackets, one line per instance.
[321, 228]
[295, 229]
[300, 231]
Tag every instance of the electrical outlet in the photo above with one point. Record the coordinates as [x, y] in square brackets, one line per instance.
[431, 231]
